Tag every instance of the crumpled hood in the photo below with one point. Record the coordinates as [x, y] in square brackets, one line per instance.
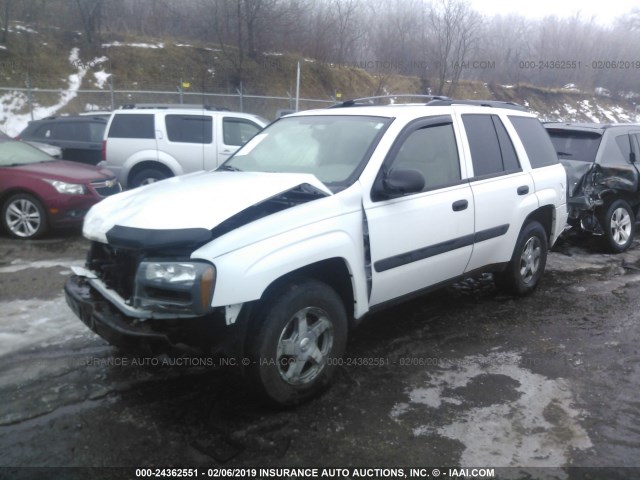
[198, 200]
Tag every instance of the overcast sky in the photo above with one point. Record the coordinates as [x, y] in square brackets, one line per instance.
[604, 11]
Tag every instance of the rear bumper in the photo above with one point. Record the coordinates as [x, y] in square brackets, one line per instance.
[202, 335]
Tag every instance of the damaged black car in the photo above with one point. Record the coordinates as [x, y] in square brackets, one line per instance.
[602, 174]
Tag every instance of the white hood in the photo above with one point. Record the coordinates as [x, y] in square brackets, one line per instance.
[199, 200]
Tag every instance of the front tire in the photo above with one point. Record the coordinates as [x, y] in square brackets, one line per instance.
[527, 263]
[23, 216]
[302, 329]
[619, 225]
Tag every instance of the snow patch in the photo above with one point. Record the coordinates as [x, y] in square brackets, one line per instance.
[19, 264]
[536, 426]
[27, 324]
[101, 78]
[12, 104]
[134, 45]
[22, 28]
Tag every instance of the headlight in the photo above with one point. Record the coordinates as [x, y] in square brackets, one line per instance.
[176, 273]
[67, 188]
[180, 287]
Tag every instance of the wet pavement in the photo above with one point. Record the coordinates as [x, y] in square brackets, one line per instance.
[465, 376]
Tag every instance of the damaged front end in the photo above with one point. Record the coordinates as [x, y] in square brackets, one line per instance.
[591, 186]
[142, 285]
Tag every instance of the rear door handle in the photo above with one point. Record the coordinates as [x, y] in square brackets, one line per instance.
[523, 190]
[460, 205]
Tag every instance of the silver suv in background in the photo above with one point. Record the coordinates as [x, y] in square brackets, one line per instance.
[146, 143]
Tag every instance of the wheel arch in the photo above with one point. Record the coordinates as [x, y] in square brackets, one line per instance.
[148, 164]
[5, 195]
[546, 216]
[332, 271]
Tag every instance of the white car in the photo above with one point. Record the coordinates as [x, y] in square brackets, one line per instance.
[320, 219]
[145, 143]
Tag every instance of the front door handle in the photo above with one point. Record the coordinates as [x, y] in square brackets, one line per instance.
[523, 190]
[460, 205]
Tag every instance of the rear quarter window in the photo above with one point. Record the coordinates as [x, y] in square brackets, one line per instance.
[535, 140]
[135, 125]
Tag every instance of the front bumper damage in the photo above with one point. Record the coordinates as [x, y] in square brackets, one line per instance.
[206, 335]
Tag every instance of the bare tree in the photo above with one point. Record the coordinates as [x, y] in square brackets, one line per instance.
[91, 17]
[455, 28]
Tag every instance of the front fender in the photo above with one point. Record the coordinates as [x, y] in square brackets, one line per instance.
[243, 275]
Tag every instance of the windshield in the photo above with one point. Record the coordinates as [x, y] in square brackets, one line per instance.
[576, 145]
[13, 153]
[331, 147]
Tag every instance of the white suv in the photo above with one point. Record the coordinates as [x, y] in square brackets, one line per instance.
[146, 143]
[320, 219]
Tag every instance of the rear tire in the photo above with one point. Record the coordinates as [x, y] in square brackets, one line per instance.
[619, 225]
[299, 334]
[526, 267]
[147, 177]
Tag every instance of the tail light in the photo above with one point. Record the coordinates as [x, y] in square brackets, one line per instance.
[104, 149]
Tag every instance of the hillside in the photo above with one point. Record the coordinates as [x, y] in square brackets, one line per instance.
[67, 76]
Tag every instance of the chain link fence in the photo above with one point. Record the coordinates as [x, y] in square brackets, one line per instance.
[40, 103]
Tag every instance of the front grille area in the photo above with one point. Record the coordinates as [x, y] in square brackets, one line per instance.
[105, 188]
[116, 267]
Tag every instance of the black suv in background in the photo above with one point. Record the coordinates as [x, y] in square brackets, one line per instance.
[79, 137]
[603, 178]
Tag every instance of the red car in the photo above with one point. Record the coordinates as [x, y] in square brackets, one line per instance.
[38, 192]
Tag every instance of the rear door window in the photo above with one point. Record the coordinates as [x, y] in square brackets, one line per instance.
[71, 131]
[492, 152]
[189, 128]
[134, 125]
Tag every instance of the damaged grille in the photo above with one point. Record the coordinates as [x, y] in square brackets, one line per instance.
[116, 267]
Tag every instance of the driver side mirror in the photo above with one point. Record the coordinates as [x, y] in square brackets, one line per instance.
[399, 182]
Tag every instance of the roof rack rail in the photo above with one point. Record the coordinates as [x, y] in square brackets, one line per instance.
[190, 106]
[370, 100]
[480, 103]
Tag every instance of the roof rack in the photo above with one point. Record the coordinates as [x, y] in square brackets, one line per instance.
[370, 100]
[480, 103]
[133, 106]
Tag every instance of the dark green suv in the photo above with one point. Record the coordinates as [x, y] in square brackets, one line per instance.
[603, 178]
[79, 137]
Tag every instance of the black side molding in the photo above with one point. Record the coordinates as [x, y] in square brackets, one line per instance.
[439, 248]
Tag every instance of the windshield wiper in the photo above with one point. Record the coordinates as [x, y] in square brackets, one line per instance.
[565, 154]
